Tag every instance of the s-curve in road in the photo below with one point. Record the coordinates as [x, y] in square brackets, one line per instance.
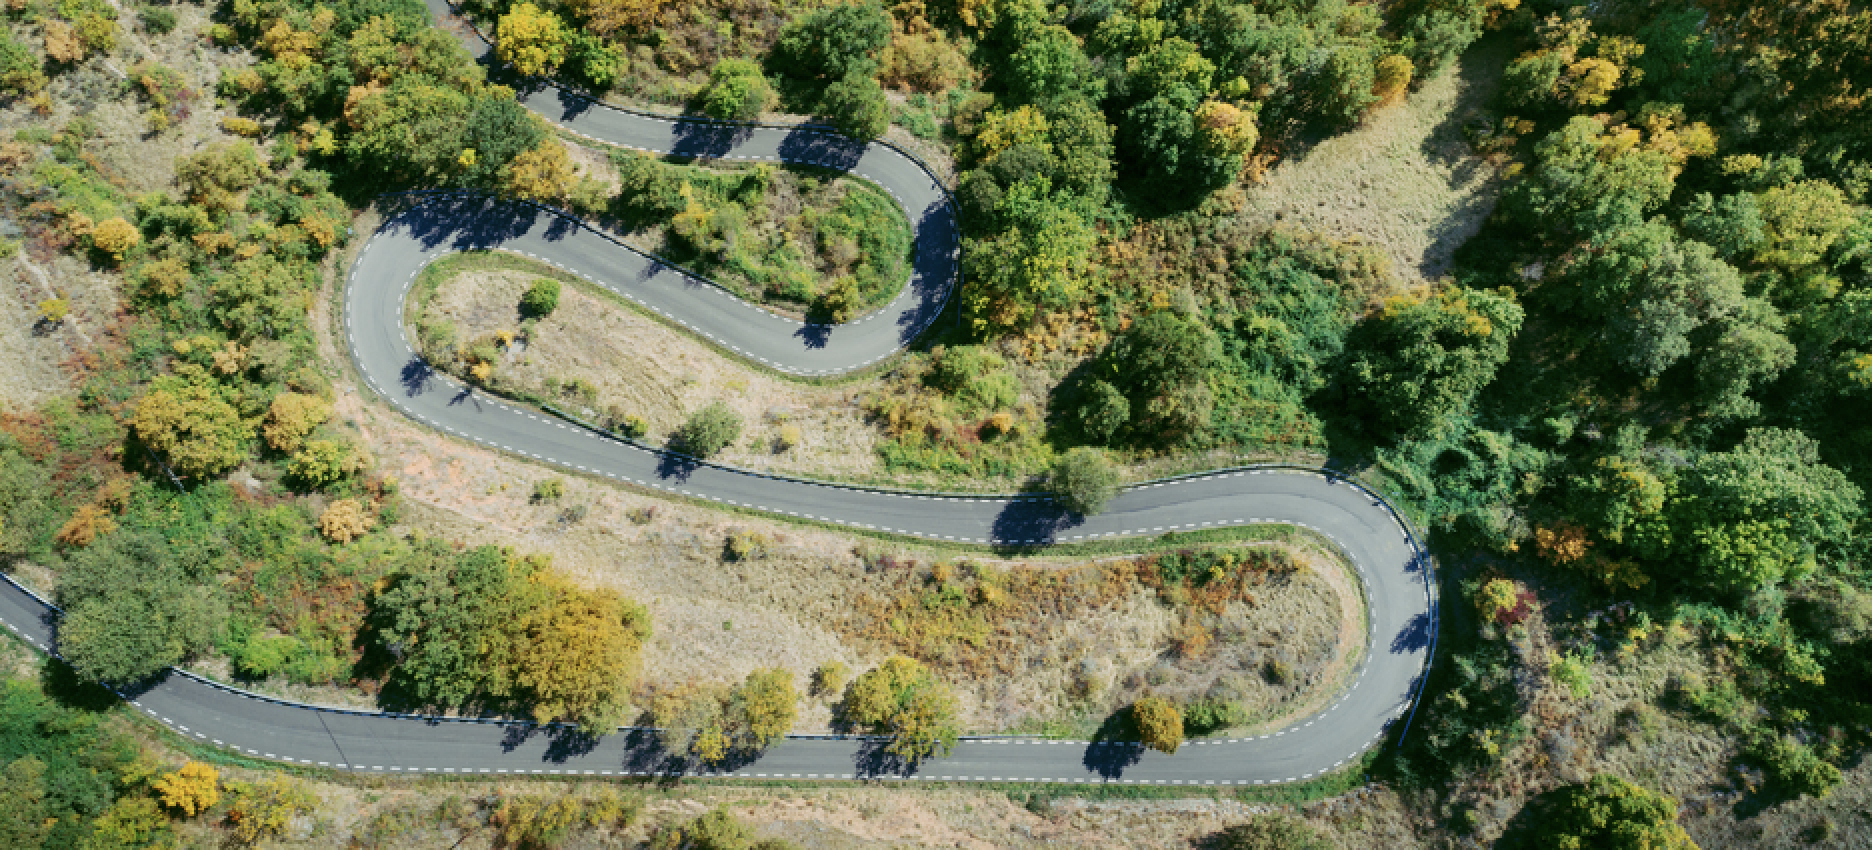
[1399, 590]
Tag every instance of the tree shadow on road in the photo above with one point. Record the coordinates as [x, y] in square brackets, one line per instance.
[1028, 523]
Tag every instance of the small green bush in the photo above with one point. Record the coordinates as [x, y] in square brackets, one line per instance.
[1084, 480]
[548, 490]
[541, 299]
[157, 20]
[710, 430]
[744, 546]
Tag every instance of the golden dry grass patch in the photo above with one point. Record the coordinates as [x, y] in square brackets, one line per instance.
[1406, 182]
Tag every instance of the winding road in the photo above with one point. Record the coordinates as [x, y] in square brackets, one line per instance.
[1400, 592]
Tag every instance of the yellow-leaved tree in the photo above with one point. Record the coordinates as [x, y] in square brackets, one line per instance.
[581, 655]
[541, 174]
[1159, 723]
[531, 39]
[189, 790]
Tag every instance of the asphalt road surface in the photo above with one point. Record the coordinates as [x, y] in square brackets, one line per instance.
[1394, 571]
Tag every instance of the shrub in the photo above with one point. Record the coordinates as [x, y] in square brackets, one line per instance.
[190, 790]
[541, 298]
[157, 20]
[531, 39]
[736, 91]
[344, 521]
[830, 678]
[633, 426]
[856, 106]
[790, 436]
[744, 546]
[1268, 832]
[1084, 480]
[548, 490]
[114, 236]
[710, 430]
[1159, 723]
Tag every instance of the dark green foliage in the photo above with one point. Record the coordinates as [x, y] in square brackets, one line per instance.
[855, 104]
[540, 299]
[453, 621]
[1084, 480]
[709, 430]
[1161, 369]
[60, 768]
[1414, 368]
[158, 20]
[131, 609]
[1582, 185]
[1732, 225]
[719, 829]
[497, 130]
[837, 42]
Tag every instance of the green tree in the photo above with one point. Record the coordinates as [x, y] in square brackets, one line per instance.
[1084, 480]
[1608, 813]
[1269, 832]
[736, 91]
[498, 130]
[23, 821]
[1048, 64]
[855, 104]
[1644, 295]
[456, 624]
[901, 698]
[1585, 181]
[1159, 723]
[835, 42]
[709, 430]
[1037, 263]
[1761, 512]
[1415, 366]
[1104, 411]
[541, 298]
[1163, 365]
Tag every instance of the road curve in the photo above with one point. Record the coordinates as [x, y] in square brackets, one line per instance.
[1395, 573]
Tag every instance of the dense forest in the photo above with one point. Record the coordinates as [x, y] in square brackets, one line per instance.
[1641, 388]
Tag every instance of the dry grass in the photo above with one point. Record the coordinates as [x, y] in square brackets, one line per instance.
[644, 368]
[1405, 183]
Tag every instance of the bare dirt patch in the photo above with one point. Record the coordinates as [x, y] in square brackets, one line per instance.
[1406, 183]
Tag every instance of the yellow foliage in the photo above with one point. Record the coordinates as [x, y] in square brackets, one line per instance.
[54, 310]
[281, 41]
[710, 746]
[541, 174]
[1392, 77]
[241, 126]
[191, 790]
[164, 277]
[606, 17]
[531, 39]
[1226, 129]
[582, 655]
[291, 418]
[1159, 723]
[1563, 545]
[344, 521]
[230, 358]
[114, 236]
[1590, 82]
[86, 525]
[1497, 597]
[1002, 130]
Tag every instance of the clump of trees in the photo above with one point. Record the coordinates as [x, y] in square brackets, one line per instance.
[488, 627]
[713, 723]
